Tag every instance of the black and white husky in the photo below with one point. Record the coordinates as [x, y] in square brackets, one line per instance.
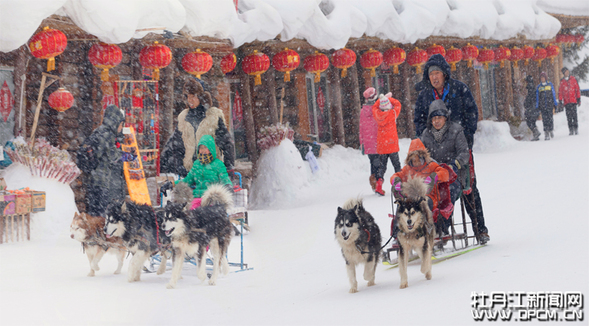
[416, 228]
[191, 231]
[136, 225]
[359, 237]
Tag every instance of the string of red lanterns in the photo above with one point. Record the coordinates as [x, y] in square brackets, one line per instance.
[48, 44]
[343, 59]
[197, 63]
[105, 56]
[286, 61]
[394, 57]
[371, 60]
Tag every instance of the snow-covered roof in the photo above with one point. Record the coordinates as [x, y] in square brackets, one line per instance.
[325, 24]
[565, 7]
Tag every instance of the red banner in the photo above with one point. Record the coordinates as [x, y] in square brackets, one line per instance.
[6, 101]
[237, 108]
[320, 100]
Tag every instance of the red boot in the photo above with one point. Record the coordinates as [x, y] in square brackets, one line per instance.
[378, 189]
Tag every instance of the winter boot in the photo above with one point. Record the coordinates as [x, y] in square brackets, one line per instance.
[551, 134]
[372, 180]
[576, 131]
[378, 188]
[571, 131]
[484, 238]
[546, 135]
[536, 134]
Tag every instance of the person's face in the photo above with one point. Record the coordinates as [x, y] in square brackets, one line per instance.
[542, 79]
[192, 100]
[566, 73]
[415, 161]
[437, 79]
[438, 122]
[202, 149]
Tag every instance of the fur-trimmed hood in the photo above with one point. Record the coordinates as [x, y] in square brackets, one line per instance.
[416, 148]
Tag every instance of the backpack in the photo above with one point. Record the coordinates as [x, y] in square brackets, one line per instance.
[86, 156]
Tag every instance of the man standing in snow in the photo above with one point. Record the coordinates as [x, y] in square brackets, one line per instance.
[546, 103]
[569, 94]
[463, 110]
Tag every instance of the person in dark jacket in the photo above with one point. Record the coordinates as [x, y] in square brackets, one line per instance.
[463, 110]
[569, 95]
[546, 103]
[199, 119]
[106, 181]
[531, 114]
[447, 144]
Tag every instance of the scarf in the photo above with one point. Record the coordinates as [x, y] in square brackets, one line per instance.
[205, 158]
[438, 134]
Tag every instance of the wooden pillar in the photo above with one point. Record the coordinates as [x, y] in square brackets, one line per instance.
[248, 118]
[352, 138]
[367, 79]
[337, 121]
[518, 91]
[500, 87]
[20, 107]
[303, 127]
[270, 83]
[166, 89]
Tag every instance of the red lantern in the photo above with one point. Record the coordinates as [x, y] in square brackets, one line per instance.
[286, 61]
[579, 38]
[453, 56]
[417, 58]
[486, 56]
[394, 57]
[502, 54]
[197, 63]
[105, 56]
[228, 63]
[256, 64]
[569, 39]
[156, 57]
[561, 38]
[435, 49]
[539, 55]
[343, 59]
[61, 100]
[516, 55]
[316, 63]
[371, 59]
[528, 53]
[469, 53]
[552, 52]
[48, 44]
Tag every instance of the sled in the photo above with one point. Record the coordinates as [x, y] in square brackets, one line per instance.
[134, 175]
[458, 231]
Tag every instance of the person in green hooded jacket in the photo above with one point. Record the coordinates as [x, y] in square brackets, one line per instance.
[206, 171]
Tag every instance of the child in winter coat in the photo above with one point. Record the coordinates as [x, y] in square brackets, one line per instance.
[386, 111]
[206, 171]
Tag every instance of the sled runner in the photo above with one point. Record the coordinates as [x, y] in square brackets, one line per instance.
[458, 231]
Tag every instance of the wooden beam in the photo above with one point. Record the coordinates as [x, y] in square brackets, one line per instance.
[337, 119]
[270, 85]
[353, 130]
[248, 118]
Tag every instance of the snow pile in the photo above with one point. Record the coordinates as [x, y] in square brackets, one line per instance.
[325, 24]
[492, 136]
[60, 204]
[281, 174]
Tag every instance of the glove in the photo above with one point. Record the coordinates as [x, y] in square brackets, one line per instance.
[579, 101]
[396, 188]
[458, 164]
[168, 185]
[128, 157]
[431, 181]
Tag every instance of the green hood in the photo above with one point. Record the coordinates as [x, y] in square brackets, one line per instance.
[209, 142]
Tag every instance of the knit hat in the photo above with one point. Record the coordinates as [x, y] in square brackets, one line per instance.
[370, 93]
[416, 145]
[385, 103]
[433, 68]
[438, 108]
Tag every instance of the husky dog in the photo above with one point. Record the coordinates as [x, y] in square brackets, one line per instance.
[359, 237]
[89, 230]
[137, 226]
[191, 231]
[416, 228]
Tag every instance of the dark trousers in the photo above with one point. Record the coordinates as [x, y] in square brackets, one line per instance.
[384, 159]
[571, 112]
[473, 205]
[375, 161]
[531, 117]
[547, 117]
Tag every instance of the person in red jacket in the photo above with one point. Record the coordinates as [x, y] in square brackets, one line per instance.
[569, 95]
[386, 111]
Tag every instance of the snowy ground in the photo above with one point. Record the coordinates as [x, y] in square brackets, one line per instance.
[534, 196]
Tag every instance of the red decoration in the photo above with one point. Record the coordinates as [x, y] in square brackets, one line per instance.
[561, 38]
[552, 52]
[316, 63]
[343, 59]
[6, 101]
[539, 55]
[48, 44]
[516, 55]
[394, 57]
[486, 56]
[61, 100]
[453, 56]
[469, 53]
[156, 57]
[528, 53]
[435, 49]
[256, 64]
[105, 56]
[286, 61]
[371, 59]
[579, 38]
[228, 63]
[569, 39]
[416, 58]
[197, 63]
[502, 54]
